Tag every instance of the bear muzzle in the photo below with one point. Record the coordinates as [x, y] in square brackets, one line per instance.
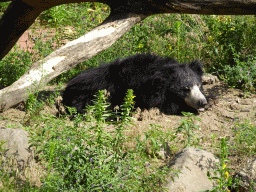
[196, 99]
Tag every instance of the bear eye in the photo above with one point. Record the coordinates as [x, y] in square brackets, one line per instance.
[186, 88]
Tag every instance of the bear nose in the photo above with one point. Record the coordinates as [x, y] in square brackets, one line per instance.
[202, 102]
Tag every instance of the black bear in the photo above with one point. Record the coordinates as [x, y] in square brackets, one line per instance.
[156, 82]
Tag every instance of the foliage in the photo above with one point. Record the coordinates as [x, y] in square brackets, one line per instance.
[242, 75]
[230, 47]
[243, 144]
[245, 138]
[224, 181]
[187, 125]
[3, 6]
[13, 66]
[154, 139]
[87, 157]
[87, 14]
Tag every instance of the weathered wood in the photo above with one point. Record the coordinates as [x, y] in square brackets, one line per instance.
[66, 57]
[214, 7]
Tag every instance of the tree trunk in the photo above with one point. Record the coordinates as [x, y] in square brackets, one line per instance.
[124, 14]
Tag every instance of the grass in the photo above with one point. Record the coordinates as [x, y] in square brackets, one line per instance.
[76, 154]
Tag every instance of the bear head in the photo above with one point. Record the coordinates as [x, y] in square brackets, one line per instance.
[185, 81]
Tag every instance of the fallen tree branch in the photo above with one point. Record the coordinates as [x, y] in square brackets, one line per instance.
[67, 57]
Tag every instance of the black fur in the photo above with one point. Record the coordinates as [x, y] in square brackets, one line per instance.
[156, 81]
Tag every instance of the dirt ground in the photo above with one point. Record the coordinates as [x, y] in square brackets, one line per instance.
[227, 106]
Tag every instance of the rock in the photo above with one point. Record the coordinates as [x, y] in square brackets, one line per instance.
[241, 94]
[213, 100]
[194, 164]
[209, 79]
[245, 110]
[164, 151]
[234, 106]
[253, 170]
[16, 145]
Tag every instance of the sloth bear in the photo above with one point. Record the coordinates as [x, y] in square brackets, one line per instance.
[156, 81]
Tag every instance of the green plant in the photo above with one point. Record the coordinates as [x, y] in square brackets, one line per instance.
[13, 66]
[231, 50]
[31, 102]
[245, 138]
[3, 6]
[86, 156]
[153, 140]
[187, 125]
[33, 105]
[221, 174]
[242, 75]
[224, 182]
[2, 149]
[56, 14]
[177, 25]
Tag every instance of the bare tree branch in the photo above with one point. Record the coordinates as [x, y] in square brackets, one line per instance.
[214, 7]
[67, 57]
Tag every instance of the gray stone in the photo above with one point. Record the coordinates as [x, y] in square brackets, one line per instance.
[194, 164]
[253, 170]
[164, 151]
[16, 145]
[245, 110]
[234, 106]
[209, 78]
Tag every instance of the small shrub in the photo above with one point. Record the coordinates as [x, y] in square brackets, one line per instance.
[245, 138]
[187, 125]
[86, 157]
[229, 39]
[224, 181]
[13, 66]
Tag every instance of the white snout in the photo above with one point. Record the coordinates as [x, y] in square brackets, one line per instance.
[196, 99]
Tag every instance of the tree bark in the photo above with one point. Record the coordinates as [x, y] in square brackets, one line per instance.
[124, 14]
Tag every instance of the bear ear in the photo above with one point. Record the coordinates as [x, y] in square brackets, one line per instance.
[197, 67]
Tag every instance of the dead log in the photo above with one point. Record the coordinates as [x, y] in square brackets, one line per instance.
[124, 14]
[66, 58]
